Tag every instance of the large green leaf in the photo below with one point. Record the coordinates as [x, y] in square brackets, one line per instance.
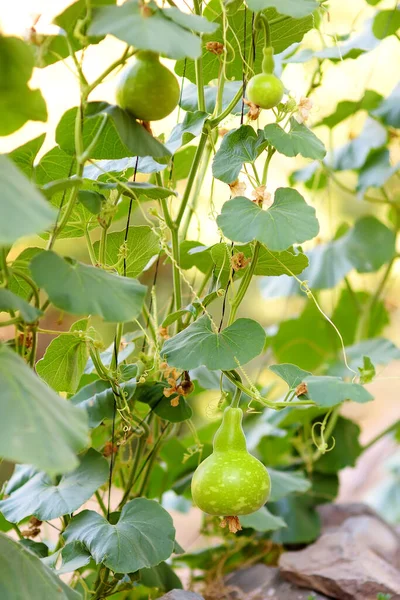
[370, 244]
[46, 500]
[200, 345]
[262, 520]
[167, 31]
[291, 374]
[329, 391]
[37, 426]
[143, 536]
[24, 210]
[386, 22]
[141, 245]
[284, 483]
[239, 146]
[290, 220]
[82, 289]
[18, 103]
[65, 358]
[24, 155]
[10, 301]
[121, 135]
[389, 109]
[37, 583]
[292, 8]
[298, 140]
[284, 32]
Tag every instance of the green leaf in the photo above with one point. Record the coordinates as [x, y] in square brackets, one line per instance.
[97, 399]
[194, 254]
[353, 46]
[386, 22]
[81, 289]
[185, 132]
[354, 154]
[302, 520]
[17, 284]
[389, 109]
[292, 8]
[121, 135]
[376, 171]
[64, 361]
[283, 34]
[330, 391]
[165, 31]
[290, 220]
[161, 577]
[262, 520]
[126, 348]
[284, 483]
[370, 244]
[143, 536]
[152, 394]
[10, 301]
[74, 556]
[24, 210]
[346, 108]
[313, 176]
[45, 500]
[346, 450]
[291, 374]
[37, 578]
[38, 426]
[298, 140]
[189, 97]
[39, 548]
[239, 146]
[24, 155]
[367, 371]
[141, 245]
[379, 350]
[17, 100]
[200, 345]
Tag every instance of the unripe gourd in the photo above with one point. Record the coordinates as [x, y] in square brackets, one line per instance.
[265, 89]
[230, 482]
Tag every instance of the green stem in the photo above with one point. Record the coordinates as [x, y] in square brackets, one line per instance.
[236, 398]
[132, 475]
[381, 435]
[103, 246]
[244, 284]
[175, 273]
[4, 252]
[31, 284]
[17, 530]
[217, 120]
[117, 342]
[270, 154]
[198, 65]
[192, 175]
[101, 504]
[267, 30]
[149, 322]
[93, 258]
[13, 321]
[120, 61]
[102, 582]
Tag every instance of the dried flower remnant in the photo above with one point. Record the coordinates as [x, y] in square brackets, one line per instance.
[239, 261]
[215, 47]
[262, 197]
[303, 109]
[233, 524]
[254, 110]
[238, 188]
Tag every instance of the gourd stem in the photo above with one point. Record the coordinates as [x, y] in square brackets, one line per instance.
[236, 398]
[267, 30]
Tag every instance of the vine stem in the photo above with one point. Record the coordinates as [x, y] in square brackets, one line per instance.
[381, 435]
[244, 284]
[198, 65]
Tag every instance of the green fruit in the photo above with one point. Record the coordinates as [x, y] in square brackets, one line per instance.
[231, 481]
[147, 89]
[265, 90]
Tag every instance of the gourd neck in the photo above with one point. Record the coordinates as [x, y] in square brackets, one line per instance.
[148, 55]
[230, 435]
[268, 65]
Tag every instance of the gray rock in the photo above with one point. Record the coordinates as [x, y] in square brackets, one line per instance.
[265, 583]
[333, 515]
[181, 595]
[351, 562]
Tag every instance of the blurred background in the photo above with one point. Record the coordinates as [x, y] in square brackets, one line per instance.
[377, 70]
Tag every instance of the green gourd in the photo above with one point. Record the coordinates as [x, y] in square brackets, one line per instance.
[147, 89]
[265, 89]
[230, 482]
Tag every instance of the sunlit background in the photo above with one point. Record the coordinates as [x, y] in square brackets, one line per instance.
[377, 70]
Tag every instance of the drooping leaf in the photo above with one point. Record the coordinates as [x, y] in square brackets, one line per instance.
[121, 135]
[82, 289]
[152, 394]
[386, 22]
[199, 345]
[46, 500]
[24, 211]
[262, 520]
[166, 31]
[239, 146]
[194, 254]
[346, 108]
[292, 8]
[24, 155]
[298, 140]
[140, 247]
[38, 581]
[37, 426]
[65, 358]
[284, 483]
[73, 557]
[97, 399]
[185, 132]
[17, 100]
[291, 374]
[301, 518]
[330, 391]
[376, 171]
[290, 220]
[10, 301]
[143, 536]
[161, 577]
